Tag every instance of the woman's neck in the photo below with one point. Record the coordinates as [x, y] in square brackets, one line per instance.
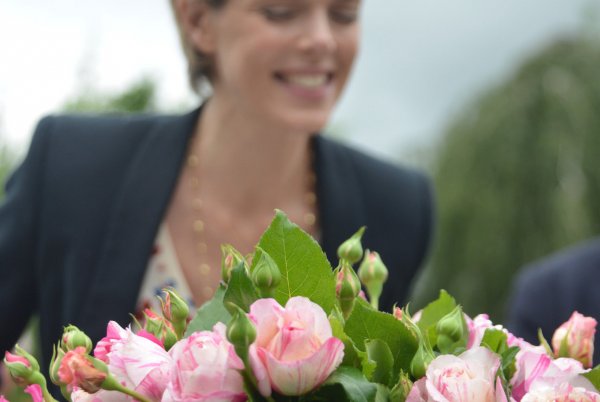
[249, 164]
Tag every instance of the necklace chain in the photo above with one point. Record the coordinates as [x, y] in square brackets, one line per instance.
[198, 224]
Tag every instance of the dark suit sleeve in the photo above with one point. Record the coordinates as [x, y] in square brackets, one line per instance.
[18, 221]
[531, 307]
[427, 205]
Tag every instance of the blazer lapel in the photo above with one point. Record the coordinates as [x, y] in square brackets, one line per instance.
[341, 205]
[145, 193]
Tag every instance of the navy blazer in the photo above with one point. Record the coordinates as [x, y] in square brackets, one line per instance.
[81, 213]
[547, 292]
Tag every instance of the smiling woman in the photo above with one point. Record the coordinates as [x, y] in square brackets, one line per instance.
[106, 210]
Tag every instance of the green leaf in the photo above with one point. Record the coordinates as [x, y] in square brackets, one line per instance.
[495, 340]
[594, 377]
[383, 393]
[353, 357]
[366, 324]
[380, 353]
[209, 314]
[433, 312]
[346, 384]
[509, 362]
[544, 343]
[304, 267]
[240, 290]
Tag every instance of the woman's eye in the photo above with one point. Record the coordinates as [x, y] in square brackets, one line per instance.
[344, 16]
[278, 13]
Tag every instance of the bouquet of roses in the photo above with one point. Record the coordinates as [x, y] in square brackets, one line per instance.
[286, 327]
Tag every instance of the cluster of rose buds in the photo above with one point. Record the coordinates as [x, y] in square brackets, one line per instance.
[372, 273]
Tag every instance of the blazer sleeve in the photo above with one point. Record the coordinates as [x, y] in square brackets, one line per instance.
[530, 308]
[18, 222]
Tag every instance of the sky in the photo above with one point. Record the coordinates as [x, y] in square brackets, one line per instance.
[421, 61]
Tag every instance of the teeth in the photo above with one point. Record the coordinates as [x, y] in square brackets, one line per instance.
[308, 80]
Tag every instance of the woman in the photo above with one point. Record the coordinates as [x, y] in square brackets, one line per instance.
[83, 213]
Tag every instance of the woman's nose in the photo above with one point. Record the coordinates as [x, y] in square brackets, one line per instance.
[318, 35]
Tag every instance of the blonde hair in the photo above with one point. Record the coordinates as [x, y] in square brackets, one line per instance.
[199, 65]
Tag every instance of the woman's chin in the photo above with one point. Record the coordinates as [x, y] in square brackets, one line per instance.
[309, 123]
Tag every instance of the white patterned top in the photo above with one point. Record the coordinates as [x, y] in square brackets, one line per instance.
[164, 270]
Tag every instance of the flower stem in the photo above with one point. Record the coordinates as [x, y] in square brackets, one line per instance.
[110, 384]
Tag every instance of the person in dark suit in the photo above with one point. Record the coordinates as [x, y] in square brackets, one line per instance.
[97, 199]
[548, 291]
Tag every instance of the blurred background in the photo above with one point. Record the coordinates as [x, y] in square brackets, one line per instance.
[498, 101]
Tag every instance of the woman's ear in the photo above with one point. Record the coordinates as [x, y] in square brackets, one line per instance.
[194, 17]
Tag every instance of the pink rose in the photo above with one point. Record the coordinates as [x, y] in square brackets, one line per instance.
[481, 323]
[114, 333]
[477, 327]
[578, 337]
[77, 371]
[536, 369]
[205, 368]
[564, 392]
[137, 361]
[294, 351]
[469, 377]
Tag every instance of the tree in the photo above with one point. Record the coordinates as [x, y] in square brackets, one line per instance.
[139, 97]
[517, 176]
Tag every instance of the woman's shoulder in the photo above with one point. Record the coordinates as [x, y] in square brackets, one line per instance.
[100, 127]
[367, 169]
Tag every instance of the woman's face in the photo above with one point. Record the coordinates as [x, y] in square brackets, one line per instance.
[285, 61]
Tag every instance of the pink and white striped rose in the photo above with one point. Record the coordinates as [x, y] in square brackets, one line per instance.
[469, 377]
[535, 370]
[563, 393]
[295, 350]
[138, 361]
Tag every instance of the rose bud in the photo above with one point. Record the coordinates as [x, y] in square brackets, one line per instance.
[160, 327]
[452, 331]
[76, 370]
[402, 388]
[25, 370]
[575, 339]
[230, 259]
[398, 313]
[351, 250]
[23, 367]
[347, 287]
[421, 360]
[265, 274]
[373, 274]
[176, 310]
[74, 337]
[241, 333]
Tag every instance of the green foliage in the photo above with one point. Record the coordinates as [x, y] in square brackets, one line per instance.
[305, 270]
[7, 163]
[139, 97]
[365, 324]
[380, 352]
[434, 312]
[209, 314]
[594, 376]
[517, 176]
[240, 290]
[346, 384]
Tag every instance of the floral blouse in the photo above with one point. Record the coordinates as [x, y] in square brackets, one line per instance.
[164, 270]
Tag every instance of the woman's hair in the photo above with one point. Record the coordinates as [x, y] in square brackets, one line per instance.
[199, 65]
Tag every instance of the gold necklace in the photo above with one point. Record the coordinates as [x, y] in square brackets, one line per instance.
[199, 227]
